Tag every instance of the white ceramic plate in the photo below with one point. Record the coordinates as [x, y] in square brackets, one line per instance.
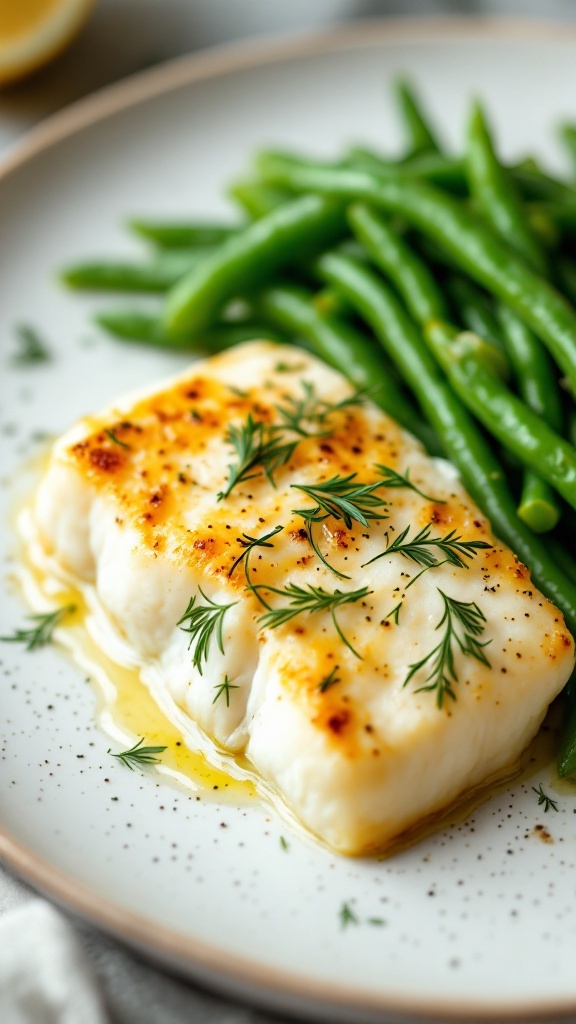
[480, 919]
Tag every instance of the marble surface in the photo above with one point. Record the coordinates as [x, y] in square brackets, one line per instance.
[124, 36]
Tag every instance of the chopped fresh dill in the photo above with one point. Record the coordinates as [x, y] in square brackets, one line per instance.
[390, 478]
[116, 440]
[41, 633]
[329, 680]
[451, 546]
[341, 497]
[138, 756]
[543, 798]
[347, 916]
[296, 412]
[283, 843]
[32, 348]
[225, 688]
[463, 624]
[257, 448]
[248, 544]
[203, 620]
[377, 921]
[308, 599]
[395, 613]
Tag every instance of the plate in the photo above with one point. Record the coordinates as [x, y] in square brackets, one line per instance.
[478, 919]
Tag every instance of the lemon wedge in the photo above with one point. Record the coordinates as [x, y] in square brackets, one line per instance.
[34, 31]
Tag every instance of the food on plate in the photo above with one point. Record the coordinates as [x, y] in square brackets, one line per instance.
[445, 283]
[309, 586]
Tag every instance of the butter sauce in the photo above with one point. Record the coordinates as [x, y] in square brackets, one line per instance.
[126, 709]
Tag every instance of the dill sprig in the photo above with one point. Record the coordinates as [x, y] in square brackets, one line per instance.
[248, 544]
[342, 498]
[257, 448]
[463, 623]
[115, 440]
[309, 409]
[138, 756]
[420, 548]
[32, 348]
[203, 621]
[329, 680]
[395, 613]
[543, 798]
[297, 411]
[41, 633]
[347, 916]
[224, 688]
[309, 599]
[390, 478]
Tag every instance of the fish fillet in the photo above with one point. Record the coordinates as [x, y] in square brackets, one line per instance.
[366, 717]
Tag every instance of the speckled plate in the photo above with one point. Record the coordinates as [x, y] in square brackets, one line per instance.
[477, 920]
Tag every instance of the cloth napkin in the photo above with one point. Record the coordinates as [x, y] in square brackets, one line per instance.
[44, 975]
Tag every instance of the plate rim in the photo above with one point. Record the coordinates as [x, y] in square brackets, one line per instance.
[247, 979]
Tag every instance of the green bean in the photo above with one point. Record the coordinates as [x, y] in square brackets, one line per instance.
[422, 295]
[503, 414]
[157, 275]
[329, 302]
[549, 222]
[181, 234]
[132, 325]
[257, 199]
[483, 255]
[567, 133]
[147, 329]
[539, 389]
[496, 195]
[346, 349]
[463, 442]
[420, 136]
[474, 309]
[292, 232]
[412, 277]
[533, 368]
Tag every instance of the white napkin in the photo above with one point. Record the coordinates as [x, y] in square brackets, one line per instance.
[44, 975]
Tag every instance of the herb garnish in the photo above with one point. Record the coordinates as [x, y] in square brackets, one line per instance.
[308, 599]
[116, 440]
[395, 613]
[40, 634]
[342, 498]
[544, 799]
[248, 543]
[283, 843]
[329, 680]
[347, 915]
[32, 348]
[202, 621]
[390, 478]
[224, 687]
[138, 756]
[453, 548]
[257, 447]
[463, 623]
[309, 408]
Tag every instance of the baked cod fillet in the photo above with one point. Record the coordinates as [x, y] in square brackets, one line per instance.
[370, 646]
